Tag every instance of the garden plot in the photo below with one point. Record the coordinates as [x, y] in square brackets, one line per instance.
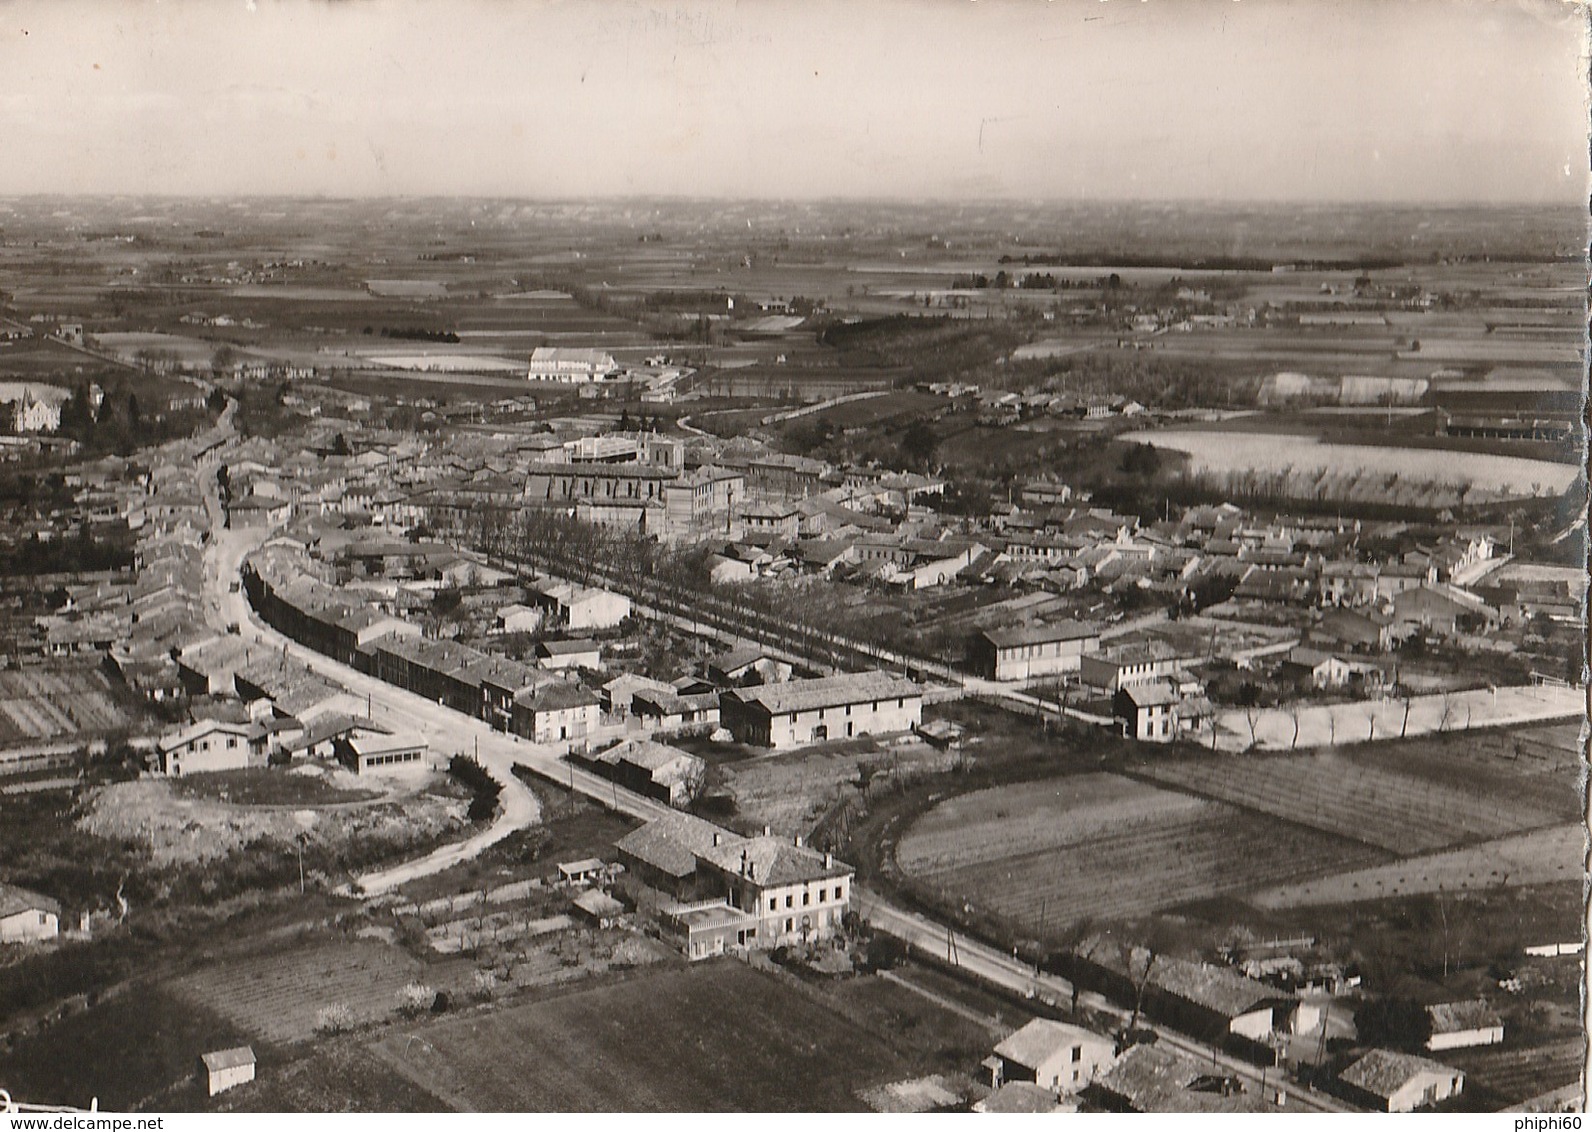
[1540, 857]
[279, 997]
[1361, 798]
[1040, 856]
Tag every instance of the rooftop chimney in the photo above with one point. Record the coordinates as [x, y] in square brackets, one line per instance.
[715, 839]
[829, 860]
[767, 831]
[798, 841]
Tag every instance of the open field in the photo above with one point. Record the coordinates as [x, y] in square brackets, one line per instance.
[1042, 855]
[1539, 857]
[1325, 725]
[1374, 800]
[339, 1076]
[1305, 467]
[271, 786]
[122, 1051]
[716, 1036]
[276, 996]
[43, 703]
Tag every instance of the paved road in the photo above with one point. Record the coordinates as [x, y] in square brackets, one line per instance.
[1006, 971]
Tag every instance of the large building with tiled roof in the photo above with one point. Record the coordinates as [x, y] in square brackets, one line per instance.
[745, 892]
[797, 712]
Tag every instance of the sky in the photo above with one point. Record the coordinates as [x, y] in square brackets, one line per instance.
[1319, 100]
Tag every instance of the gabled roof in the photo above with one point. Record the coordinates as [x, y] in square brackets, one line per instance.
[14, 900]
[1149, 1078]
[1217, 988]
[1383, 1072]
[1041, 633]
[228, 1058]
[1042, 1038]
[200, 729]
[772, 861]
[829, 691]
[555, 695]
[670, 843]
[1457, 1017]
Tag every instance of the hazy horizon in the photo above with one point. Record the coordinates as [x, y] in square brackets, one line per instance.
[1287, 102]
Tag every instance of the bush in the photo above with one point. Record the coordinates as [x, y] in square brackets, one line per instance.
[884, 952]
[441, 1003]
[484, 787]
[415, 999]
[334, 1019]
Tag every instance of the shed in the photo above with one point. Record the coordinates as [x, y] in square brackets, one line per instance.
[227, 1068]
[597, 906]
[580, 872]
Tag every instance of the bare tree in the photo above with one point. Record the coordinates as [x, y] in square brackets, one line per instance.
[1408, 701]
[1251, 717]
[1294, 712]
[1448, 711]
[1370, 719]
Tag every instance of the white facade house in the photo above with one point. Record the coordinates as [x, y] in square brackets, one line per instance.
[27, 917]
[568, 366]
[1401, 1082]
[211, 745]
[797, 712]
[1054, 1055]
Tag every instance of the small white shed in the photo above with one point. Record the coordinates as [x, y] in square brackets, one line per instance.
[227, 1068]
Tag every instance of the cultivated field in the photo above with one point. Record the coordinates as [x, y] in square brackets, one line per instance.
[716, 1036]
[1542, 856]
[1364, 798]
[1305, 467]
[276, 997]
[1519, 1074]
[1042, 855]
[38, 704]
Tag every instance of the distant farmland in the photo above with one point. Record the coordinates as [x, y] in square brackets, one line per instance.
[1303, 467]
[1037, 856]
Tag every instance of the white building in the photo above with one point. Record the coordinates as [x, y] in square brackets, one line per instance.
[797, 712]
[570, 366]
[227, 1068]
[1460, 1025]
[1401, 1082]
[33, 407]
[27, 917]
[375, 752]
[211, 745]
[1054, 1055]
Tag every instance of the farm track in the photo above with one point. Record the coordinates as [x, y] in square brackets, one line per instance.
[1401, 813]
